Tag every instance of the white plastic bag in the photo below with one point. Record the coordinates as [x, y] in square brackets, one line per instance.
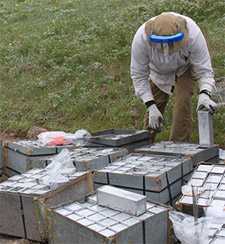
[51, 138]
[60, 167]
[46, 137]
[188, 231]
[79, 138]
[216, 210]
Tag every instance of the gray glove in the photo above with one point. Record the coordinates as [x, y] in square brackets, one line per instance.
[205, 102]
[155, 118]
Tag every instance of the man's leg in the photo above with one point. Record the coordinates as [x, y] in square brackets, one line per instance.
[161, 99]
[182, 113]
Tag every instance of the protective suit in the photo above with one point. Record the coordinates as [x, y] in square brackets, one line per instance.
[160, 67]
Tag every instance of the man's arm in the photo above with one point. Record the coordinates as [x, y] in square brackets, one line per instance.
[140, 67]
[201, 62]
[140, 75]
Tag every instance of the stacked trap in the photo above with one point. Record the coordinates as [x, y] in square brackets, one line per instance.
[31, 209]
[19, 196]
[193, 151]
[25, 155]
[128, 138]
[209, 185]
[95, 158]
[217, 235]
[93, 222]
[159, 177]
[204, 230]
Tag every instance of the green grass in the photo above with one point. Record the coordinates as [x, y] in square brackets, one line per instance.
[64, 64]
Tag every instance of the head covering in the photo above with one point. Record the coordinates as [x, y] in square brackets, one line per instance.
[167, 24]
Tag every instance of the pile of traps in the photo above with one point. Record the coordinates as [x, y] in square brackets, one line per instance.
[114, 188]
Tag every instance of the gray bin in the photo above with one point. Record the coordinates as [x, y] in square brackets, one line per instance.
[21, 156]
[119, 137]
[209, 182]
[95, 158]
[193, 151]
[90, 223]
[19, 212]
[159, 177]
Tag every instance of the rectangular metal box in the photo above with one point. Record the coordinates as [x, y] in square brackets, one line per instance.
[205, 128]
[130, 147]
[89, 223]
[19, 195]
[119, 137]
[209, 183]
[190, 150]
[95, 158]
[122, 200]
[23, 155]
[216, 232]
[159, 177]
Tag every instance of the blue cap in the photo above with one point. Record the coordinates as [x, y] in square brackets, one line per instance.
[166, 39]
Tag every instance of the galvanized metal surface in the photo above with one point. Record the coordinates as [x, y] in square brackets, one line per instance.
[209, 183]
[16, 162]
[18, 196]
[95, 158]
[194, 151]
[21, 156]
[89, 223]
[118, 199]
[11, 215]
[216, 234]
[205, 128]
[30, 148]
[130, 146]
[11, 240]
[35, 148]
[159, 177]
[119, 137]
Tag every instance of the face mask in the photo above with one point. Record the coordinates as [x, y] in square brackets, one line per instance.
[166, 44]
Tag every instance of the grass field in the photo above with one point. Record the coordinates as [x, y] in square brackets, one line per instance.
[64, 64]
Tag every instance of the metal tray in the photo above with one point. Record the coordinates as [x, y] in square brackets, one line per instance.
[194, 151]
[118, 137]
[30, 148]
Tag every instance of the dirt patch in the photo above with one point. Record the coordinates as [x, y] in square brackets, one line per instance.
[32, 134]
[8, 136]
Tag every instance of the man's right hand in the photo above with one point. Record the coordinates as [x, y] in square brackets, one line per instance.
[155, 117]
[205, 102]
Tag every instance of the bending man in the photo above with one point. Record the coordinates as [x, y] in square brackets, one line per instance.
[168, 52]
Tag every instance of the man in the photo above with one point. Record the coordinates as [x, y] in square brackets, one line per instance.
[166, 52]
